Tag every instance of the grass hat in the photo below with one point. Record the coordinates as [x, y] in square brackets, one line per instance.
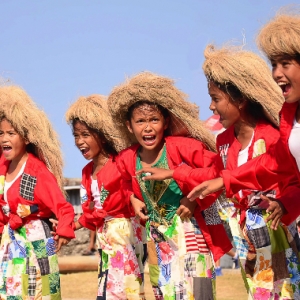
[93, 111]
[159, 90]
[249, 73]
[281, 35]
[33, 125]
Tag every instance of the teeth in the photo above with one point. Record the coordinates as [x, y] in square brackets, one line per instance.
[281, 83]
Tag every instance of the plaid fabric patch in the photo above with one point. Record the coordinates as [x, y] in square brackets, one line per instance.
[180, 292]
[190, 265]
[46, 228]
[27, 186]
[44, 265]
[157, 293]
[211, 215]
[31, 281]
[259, 237]
[241, 246]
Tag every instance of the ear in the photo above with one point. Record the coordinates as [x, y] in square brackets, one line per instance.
[167, 122]
[128, 124]
[27, 142]
[242, 103]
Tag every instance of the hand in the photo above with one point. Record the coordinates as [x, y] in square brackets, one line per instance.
[276, 209]
[54, 226]
[186, 209]
[139, 207]
[61, 241]
[155, 173]
[206, 188]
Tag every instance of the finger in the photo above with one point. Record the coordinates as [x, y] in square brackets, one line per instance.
[271, 216]
[144, 170]
[263, 197]
[150, 177]
[53, 221]
[143, 216]
[179, 210]
[195, 193]
[275, 221]
[58, 245]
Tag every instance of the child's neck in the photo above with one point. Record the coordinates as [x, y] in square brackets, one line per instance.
[244, 132]
[15, 167]
[99, 161]
[150, 157]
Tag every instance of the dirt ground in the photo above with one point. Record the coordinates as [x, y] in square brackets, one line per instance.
[82, 286]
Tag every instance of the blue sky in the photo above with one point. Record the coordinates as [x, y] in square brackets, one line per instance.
[59, 50]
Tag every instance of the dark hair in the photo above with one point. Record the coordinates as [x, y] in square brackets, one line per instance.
[295, 57]
[137, 104]
[107, 145]
[252, 108]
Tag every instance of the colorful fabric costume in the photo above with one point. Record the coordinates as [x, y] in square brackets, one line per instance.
[29, 266]
[276, 166]
[269, 259]
[179, 252]
[120, 235]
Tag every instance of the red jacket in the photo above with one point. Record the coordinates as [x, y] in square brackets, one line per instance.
[36, 195]
[109, 182]
[228, 149]
[276, 166]
[180, 150]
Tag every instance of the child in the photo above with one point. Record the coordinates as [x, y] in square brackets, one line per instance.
[31, 193]
[248, 101]
[181, 236]
[279, 39]
[103, 201]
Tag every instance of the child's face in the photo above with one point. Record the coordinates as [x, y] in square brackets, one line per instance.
[148, 125]
[86, 141]
[12, 143]
[286, 72]
[222, 105]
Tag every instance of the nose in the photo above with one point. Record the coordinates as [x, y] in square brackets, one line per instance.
[78, 141]
[212, 106]
[147, 127]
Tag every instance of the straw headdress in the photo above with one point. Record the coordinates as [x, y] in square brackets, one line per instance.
[93, 111]
[248, 72]
[281, 36]
[159, 90]
[32, 124]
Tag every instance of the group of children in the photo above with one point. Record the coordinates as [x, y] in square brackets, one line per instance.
[150, 158]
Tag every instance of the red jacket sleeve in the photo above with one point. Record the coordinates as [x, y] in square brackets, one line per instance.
[197, 165]
[126, 183]
[49, 195]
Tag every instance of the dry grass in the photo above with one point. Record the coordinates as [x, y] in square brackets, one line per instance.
[82, 286]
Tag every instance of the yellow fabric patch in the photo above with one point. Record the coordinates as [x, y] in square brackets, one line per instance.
[45, 285]
[24, 285]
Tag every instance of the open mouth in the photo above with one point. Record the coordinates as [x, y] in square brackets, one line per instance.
[285, 87]
[6, 148]
[84, 151]
[149, 139]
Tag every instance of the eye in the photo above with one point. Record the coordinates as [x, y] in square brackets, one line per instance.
[155, 120]
[285, 63]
